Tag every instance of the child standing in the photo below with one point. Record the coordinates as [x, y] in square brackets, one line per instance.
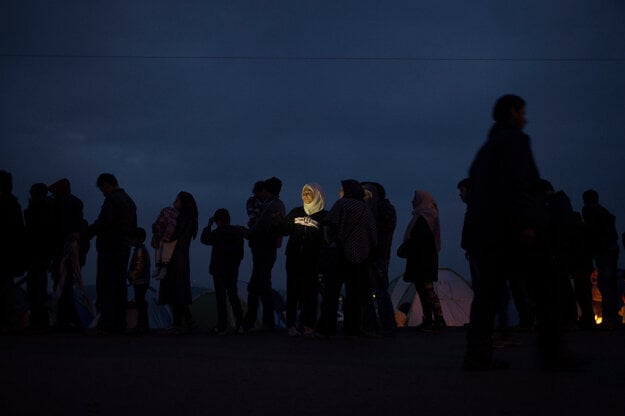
[162, 231]
[139, 278]
[226, 256]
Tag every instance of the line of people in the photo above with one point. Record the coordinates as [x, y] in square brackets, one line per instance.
[348, 245]
[522, 238]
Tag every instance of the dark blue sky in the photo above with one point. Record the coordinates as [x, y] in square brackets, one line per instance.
[208, 97]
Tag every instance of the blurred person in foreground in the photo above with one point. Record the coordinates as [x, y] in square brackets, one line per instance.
[507, 206]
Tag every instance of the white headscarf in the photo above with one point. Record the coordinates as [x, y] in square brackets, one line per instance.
[318, 202]
[425, 206]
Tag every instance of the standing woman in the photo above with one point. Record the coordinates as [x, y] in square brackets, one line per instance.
[303, 226]
[175, 289]
[422, 243]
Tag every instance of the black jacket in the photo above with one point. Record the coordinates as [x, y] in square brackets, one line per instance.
[305, 234]
[506, 196]
[227, 242]
[115, 223]
[420, 254]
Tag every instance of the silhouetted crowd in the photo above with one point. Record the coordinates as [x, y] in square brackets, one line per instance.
[524, 242]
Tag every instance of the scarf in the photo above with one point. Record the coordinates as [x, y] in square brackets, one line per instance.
[318, 202]
[425, 206]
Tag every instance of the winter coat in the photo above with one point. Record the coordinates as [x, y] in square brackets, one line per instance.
[601, 228]
[353, 227]
[386, 221]
[227, 253]
[264, 233]
[175, 288]
[506, 196]
[39, 225]
[420, 253]
[115, 223]
[305, 235]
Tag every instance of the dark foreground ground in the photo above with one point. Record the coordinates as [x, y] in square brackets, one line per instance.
[271, 374]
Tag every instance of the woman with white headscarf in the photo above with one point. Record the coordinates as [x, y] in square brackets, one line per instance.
[303, 226]
[422, 243]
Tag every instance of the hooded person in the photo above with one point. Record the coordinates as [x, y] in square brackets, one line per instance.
[380, 320]
[303, 226]
[420, 248]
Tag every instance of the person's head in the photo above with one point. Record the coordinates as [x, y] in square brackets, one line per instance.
[187, 207]
[464, 186]
[423, 200]
[381, 192]
[590, 197]
[258, 189]
[6, 182]
[107, 183]
[221, 217]
[351, 188]
[273, 186]
[313, 198]
[138, 236]
[510, 110]
[61, 187]
[371, 193]
[38, 192]
[185, 204]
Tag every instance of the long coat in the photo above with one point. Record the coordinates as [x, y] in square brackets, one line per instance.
[420, 254]
[175, 288]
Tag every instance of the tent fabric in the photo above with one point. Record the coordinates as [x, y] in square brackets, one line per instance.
[159, 316]
[204, 307]
[453, 291]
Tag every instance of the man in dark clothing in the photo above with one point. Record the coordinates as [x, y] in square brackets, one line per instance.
[38, 222]
[264, 239]
[68, 229]
[11, 250]
[604, 247]
[226, 256]
[113, 227]
[507, 207]
[515, 285]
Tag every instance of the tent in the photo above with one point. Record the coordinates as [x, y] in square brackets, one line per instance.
[159, 316]
[204, 307]
[453, 291]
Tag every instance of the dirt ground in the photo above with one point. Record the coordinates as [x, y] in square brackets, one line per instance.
[272, 374]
